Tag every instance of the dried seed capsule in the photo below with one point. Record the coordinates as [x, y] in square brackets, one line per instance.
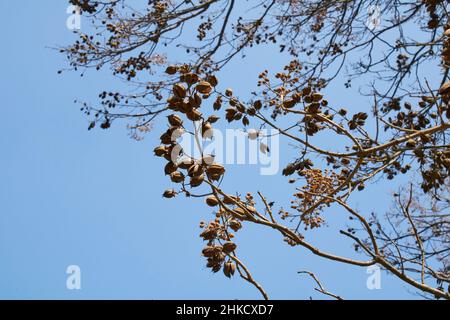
[215, 172]
[217, 104]
[215, 169]
[175, 120]
[240, 211]
[177, 177]
[197, 180]
[235, 225]
[195, 100]
[288, 103]
[212, 201]
[204, 87]
[172, 69]
[170, 168]
[175, 132]
[212, 119]
[189, 78]
[195, 170]
[207, 130]
[229, 268]
[306, 91]
[194, 115]
[445, 89]
[179, 90]
[166, 138]
[316, 97]
[229, 247]
[169, 193]
[212, 80]
[186, 163]
[251, 209]
[230, 200]
[160, 151]
[209, 251]
[228, 92]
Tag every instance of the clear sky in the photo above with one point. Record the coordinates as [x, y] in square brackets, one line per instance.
[93, 199]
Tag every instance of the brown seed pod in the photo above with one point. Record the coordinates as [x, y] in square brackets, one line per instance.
[172, 69]
[316, 97]
[179, 91]
[175, 132]
[214, 177]
[209, 251]
[251, 209]
[215, 168]
[212, 80]
[445, 89]
[197, 180]
[185, 107]
[175, 120]
[186, 163]
[166, 138]
[177, 177]
[207, 130]
[217, 104]
[306, 91]
[212, 119]
[170, 168]
[173, 152]
[228, 92]
[189, 78]
[251, 112]
[195, 170]
[195, 101]
[215, 172]
[170, 193]
[204, 87]
[230, 200]
[228, 269]
[257, 104]
[240, 211]
[173, 100]
[194, 115]
[213, 251]
[229, 247]
[288, 103]
[235, 225]
[212, 201]
[160, 151]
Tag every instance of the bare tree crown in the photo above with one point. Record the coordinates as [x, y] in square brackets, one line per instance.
[401, 48]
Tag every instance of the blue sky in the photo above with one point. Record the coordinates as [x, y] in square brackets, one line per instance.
[69, 196]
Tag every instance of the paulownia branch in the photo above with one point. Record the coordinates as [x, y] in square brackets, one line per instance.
[320, 289]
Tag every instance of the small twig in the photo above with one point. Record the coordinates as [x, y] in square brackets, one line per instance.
[320, 289]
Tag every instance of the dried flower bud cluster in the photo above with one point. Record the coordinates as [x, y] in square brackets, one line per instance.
[317, 185]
